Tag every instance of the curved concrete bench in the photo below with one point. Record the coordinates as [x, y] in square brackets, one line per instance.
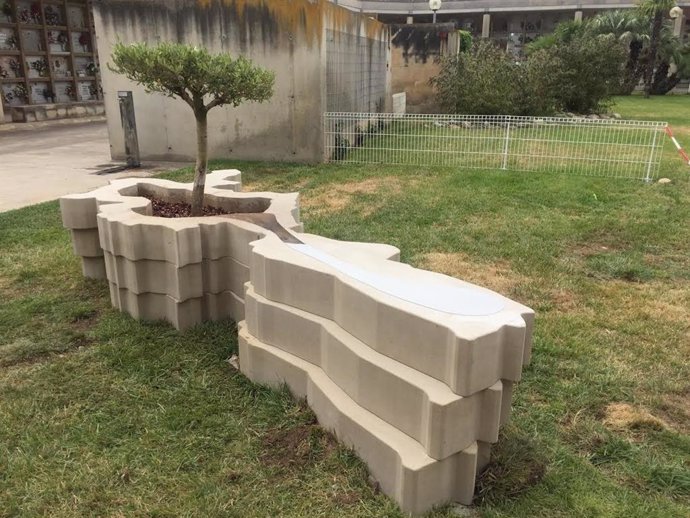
[468, 353]
[399, 464]
[413, 369]
[422, 407]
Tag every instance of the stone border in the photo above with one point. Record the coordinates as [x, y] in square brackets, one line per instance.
[184, 270]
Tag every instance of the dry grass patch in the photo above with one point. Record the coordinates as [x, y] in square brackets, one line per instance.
[269, 184]
[498, 277]
[676, 410]
[330, 198]
[655, 300]
[622, 417]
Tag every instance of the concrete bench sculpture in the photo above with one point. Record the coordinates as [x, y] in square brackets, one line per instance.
[412, 369]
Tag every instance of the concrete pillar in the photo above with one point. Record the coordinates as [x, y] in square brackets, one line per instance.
[578, 16]
[486, 25]
[678, 26]
[410, 20]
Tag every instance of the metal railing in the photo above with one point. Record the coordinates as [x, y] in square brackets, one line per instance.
[599, 147]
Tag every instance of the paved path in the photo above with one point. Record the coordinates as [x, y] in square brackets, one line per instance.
[44, 163]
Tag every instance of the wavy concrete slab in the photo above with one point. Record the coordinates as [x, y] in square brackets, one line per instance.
[182, 270]
[416, 404]
[467, 352]
[398, 462]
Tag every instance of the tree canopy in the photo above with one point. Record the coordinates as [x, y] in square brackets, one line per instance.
[203, 80]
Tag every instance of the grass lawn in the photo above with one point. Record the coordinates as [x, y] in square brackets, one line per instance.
[104, 416]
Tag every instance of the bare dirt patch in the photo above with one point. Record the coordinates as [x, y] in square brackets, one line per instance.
[675, 408]
[495, 276]
[335, 197]
[164, 209]
[626, 417]
[296, 447]
[347, 498]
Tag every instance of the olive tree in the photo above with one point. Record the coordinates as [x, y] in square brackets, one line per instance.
[201, 79]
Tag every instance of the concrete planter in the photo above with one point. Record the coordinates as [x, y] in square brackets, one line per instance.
[184, 270]
[413, 369]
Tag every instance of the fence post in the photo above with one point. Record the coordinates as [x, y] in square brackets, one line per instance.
[647, 178]
[505, 147]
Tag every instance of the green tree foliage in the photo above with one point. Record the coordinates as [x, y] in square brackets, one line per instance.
[656, 10]
[201, 79]
[486, 80]
[572, 73]
[589, 71]
[465, 40]
[633, 29]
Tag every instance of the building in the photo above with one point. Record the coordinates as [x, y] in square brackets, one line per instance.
[513, 23]
[325, 58]
[48, 62]
[416, 43]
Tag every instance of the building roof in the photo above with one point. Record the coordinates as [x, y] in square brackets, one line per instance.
[460, 6]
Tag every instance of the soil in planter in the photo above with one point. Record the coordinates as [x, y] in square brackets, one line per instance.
[164, 209]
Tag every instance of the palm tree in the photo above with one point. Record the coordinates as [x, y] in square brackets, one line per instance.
[655, 9]
[673, 61]
[632, 29]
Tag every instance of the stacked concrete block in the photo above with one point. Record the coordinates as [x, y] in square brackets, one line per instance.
[185, 270]
[412, 369]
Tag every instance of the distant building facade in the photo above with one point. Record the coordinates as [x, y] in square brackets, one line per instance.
[513, 23]
[48, 62]
[416, 43]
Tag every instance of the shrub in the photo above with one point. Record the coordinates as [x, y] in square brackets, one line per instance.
[488, 81]
[569, 71]
[589, 73]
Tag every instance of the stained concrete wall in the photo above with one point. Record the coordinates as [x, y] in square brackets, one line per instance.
[286, 36]
[416, 50]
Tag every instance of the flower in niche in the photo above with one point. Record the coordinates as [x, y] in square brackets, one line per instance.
[85, 41]
[7, 11]
[52, 15]
[40, 66]
[16, 67]
[36, 16]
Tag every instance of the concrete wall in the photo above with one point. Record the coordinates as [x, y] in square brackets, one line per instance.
[286, 36]
[415, 53]
[358, 75]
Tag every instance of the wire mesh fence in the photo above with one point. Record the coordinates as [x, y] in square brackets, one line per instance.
[598, 147]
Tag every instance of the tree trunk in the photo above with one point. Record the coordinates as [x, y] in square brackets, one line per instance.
[634, 68]
[663, 81]
[201, 163]
[653, 46]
